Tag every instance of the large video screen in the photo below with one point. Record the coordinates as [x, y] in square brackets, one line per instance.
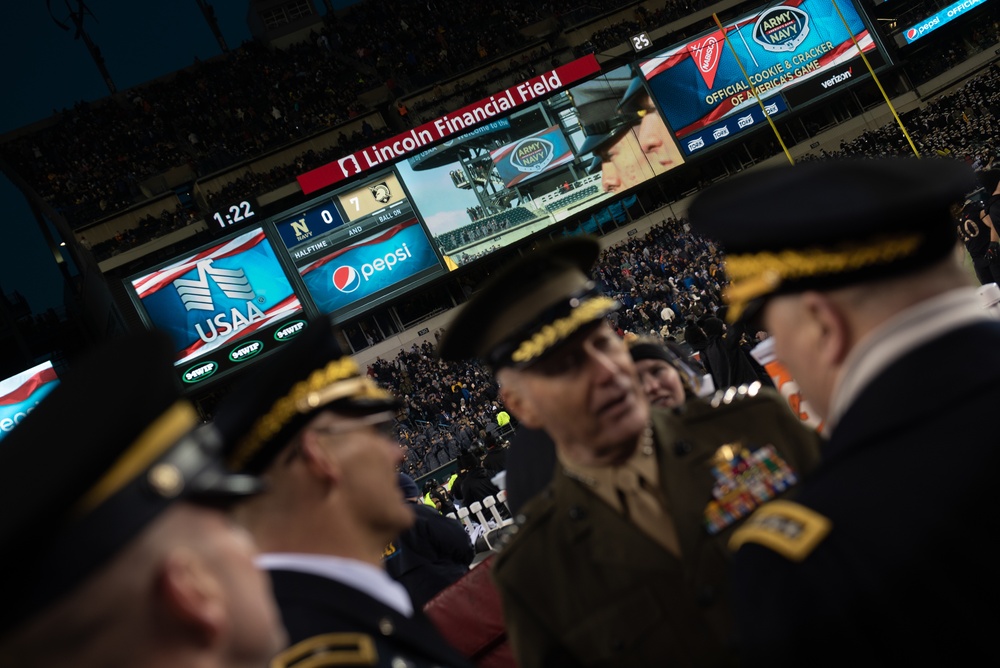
[350, 278]
[20, 394]
[700, 85]
[939, 19]
[359, 246]
[222, 305]
[538, 166]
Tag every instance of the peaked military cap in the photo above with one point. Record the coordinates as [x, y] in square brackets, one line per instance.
[95, 463]
[310, 374]
[632, 98]
[530, 307]
[828, 224]
[597, 105]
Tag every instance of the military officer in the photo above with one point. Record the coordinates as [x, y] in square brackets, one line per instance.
[854, 273]
[622, 561]
[321, 440]
[116, 548]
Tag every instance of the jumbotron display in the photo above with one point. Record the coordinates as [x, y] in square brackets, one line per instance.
[562, 146]
[20, 393]
[701, 87]
[939, 19]
[221, 306]
[543, 164]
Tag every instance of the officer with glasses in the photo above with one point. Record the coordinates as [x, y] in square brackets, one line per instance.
[323, 442]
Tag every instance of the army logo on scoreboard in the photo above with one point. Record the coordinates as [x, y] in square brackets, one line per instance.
[781, 28]
[381, 192]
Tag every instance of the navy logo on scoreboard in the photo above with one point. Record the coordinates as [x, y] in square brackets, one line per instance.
[532, 155]
[781, 28]
[381, 192]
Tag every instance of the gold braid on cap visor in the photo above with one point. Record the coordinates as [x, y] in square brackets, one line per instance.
[557, 330]
[754, 275]
[339, 379]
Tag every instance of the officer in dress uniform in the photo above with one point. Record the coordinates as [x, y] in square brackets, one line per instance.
[321, 439]
[116, 548]
[621, 561]
[853, 270]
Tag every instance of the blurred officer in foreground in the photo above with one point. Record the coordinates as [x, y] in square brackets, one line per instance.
[320, 439]
[116, 548]
[622, 561]
[854, 272]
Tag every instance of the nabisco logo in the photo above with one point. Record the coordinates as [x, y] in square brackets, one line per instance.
[706, 53]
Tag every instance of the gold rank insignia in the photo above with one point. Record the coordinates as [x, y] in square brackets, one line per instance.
[329, 649]
[790, 529]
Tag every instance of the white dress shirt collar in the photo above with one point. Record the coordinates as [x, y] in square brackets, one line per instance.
[364, 577]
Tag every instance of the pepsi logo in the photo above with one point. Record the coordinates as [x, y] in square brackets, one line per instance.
[911, 33]
[346, 279]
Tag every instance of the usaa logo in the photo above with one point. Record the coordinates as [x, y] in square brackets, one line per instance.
[200, 372]
[245, 351]
[289, 331]
[781, 28]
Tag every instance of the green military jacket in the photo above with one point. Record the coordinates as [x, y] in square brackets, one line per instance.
[582, 586]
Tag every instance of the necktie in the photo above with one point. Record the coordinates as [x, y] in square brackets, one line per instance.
[645, 510]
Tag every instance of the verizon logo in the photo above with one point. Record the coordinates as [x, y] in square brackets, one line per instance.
[837, 78]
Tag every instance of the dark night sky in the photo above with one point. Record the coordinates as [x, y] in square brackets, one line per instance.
[45, 69]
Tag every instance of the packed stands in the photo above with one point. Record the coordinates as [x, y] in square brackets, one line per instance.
[483, 227]
[94, 160]
[574, 196]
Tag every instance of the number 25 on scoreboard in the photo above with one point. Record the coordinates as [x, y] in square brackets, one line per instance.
[641, 42]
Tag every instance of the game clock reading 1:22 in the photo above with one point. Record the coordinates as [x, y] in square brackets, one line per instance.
[235, 214]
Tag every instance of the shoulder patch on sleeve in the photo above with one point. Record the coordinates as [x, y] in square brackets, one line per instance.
[329, 649]
[790, 529]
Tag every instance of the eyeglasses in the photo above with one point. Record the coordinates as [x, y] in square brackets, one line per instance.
[384, 421]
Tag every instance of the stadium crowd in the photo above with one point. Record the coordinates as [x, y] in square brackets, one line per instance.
[664, 279]
[669, 282]
[92, 160]
[961, 124]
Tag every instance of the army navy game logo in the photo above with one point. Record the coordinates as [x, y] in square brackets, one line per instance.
[781, 28]
[532, 155]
